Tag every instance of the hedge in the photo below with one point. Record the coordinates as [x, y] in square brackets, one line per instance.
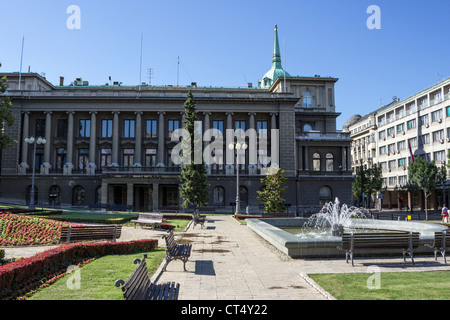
[17, 275]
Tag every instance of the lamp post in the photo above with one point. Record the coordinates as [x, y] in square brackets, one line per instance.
[238, 146]
[32, 140]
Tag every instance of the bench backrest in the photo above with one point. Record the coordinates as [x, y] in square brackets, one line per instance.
[88, 233]
[374, 240]
[439, 236]
[170, 241]
[150, 216]
[137, 285]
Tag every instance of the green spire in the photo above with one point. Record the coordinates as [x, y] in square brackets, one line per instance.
[276, 59]
[276, 70]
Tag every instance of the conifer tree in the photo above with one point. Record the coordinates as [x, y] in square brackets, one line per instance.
[194, 189]
[271, 196]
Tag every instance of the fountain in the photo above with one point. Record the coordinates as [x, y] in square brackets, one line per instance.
[321, 234]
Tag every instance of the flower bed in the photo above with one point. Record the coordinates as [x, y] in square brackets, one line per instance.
[20, 277]
[17, 230]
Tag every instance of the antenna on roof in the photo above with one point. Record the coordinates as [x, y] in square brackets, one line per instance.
[140, 64]
[178, 70]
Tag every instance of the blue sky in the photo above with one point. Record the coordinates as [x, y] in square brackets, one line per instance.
[229, 43]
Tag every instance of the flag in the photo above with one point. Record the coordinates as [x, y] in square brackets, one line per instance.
[410, 151]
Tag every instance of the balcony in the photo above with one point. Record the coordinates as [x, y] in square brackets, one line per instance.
[321, 136]
[131, 170]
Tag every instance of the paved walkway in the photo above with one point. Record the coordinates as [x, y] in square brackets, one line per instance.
[229, 261]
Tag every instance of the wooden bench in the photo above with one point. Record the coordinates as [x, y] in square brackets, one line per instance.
[167, 210]
[140, 287]
[406, 241]
[198, 219]
[176, 251]
[149, 219]
[89, 233]
[441, 242]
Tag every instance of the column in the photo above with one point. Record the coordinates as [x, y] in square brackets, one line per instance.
[306, 158]
[104, 193]
[130, 194]
[155, 197]
[344, 159]
[48, 131]
[274, 141]
[68, 166]
[138, 140]
[229, 167]
[115, 140]
[253, 146]
[92, 144]
[207, 137]
[160, 155]
[23, 166]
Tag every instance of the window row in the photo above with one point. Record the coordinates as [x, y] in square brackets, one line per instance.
[129, 127]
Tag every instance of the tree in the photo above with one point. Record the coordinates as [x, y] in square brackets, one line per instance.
[367, 181]
[6, 116]
[194, 189]
[425, 175]
[272, 194]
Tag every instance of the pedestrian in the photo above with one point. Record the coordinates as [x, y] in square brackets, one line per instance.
[444, 214]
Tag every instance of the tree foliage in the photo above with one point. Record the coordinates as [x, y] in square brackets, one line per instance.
[6, 116]
[194, 189]
[272, 194]
[426, 175]
[368, 181]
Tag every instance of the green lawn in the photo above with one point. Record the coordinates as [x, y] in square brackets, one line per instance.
[430, 285]
[97, 278]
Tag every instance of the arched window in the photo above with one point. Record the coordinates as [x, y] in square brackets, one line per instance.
[316, 162]
[307, 128]
[243, 197]
[78, 196]
[329, 162]
[219, 196]
[324, 195]
[54, 195]
[98, 195]
[307, 99]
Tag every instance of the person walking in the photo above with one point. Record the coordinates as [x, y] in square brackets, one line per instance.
[444, 214]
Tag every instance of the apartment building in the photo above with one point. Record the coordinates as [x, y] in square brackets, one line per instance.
[421, 121]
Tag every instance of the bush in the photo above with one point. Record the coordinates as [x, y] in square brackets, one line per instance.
[19, 277]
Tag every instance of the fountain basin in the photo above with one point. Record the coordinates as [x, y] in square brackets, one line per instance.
[271, 229]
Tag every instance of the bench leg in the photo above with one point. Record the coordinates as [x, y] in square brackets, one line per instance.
[167, 262]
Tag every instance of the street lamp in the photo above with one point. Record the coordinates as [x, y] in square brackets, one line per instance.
[238, 146]
[32, 140]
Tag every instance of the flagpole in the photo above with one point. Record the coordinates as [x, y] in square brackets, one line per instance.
[21, 59]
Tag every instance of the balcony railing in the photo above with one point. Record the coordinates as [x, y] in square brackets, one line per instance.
[339, 135]
[140, 170]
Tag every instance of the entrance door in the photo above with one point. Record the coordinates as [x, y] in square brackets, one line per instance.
[170, 196]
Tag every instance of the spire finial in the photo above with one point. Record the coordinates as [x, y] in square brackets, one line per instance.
[276, 59]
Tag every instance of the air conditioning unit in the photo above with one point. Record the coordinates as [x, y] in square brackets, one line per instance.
[393, 136]
[440, 120]
[426, 125]
[442, 140]
[448, 139]
[403, 132]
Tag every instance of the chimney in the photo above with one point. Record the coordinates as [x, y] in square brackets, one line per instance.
[61, 81]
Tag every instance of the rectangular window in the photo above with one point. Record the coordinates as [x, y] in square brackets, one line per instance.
[392, 164]
[390, 131]
[173, 125]
[392, 181]
[85, 128]
[436, 116]
[447, 111]
[83, 158]
[400, 128]
[411, 124]
[413, 142]
[239, 125]
[105, 157]
[382, 135]
[40, 128]
[401, 145]
[438, 135]
[383, 165]
[439, 156]
[391, 148]
[383, 150]
[423, 120]
[424, 139]
[128, 157]
[402, 180]
[61, 128]
[107, 127]
[151, 129]
[129, 128]
[60, 158]
[150, 157]
[401, 162]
